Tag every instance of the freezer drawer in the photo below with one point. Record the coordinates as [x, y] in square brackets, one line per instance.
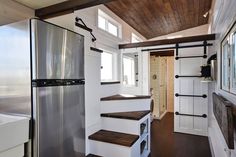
[57, 53]
[59, 116]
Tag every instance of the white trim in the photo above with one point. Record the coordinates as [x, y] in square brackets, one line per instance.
[225, 45]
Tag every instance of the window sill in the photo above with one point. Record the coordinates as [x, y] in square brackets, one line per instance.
[110, 82]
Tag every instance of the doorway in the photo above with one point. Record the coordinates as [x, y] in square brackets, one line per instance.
[162, 82]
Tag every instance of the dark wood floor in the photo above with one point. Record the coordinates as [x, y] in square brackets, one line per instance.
[166, 143]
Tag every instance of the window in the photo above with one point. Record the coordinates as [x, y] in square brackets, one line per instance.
[108, 66]
[225, 66]
[129, 75]
[101, 22]
[228, 60]
[234, 63]
[106, 69]
[135, 38]
[108, 24]
[130, 69]
[112, 29]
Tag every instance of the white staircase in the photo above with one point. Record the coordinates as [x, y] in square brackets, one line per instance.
[125, 127]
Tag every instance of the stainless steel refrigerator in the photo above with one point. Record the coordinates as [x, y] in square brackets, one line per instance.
[42, 76]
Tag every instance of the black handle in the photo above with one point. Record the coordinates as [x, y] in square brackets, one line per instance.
[178, 76]
[203, 96]
[57, 82]
[191, 115]
[204, 56]
[96, 49]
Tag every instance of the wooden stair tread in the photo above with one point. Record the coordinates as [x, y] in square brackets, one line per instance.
[125, 97]
[114, 138]
[91, 155]
[134, 115]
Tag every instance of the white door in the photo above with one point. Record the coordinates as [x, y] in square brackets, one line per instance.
[188, 109]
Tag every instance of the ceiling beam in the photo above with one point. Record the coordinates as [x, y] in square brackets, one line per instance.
[169, 41]
[67, 7]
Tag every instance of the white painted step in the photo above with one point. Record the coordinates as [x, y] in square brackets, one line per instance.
[126, 122]
[125, 105]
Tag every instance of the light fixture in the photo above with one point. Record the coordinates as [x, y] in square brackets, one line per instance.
[206, 73]
[206, 14]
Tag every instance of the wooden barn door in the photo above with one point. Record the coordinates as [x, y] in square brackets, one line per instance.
[190, 102]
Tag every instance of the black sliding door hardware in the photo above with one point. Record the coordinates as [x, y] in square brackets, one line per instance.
[191, 115]
[178, 76]
[84, 26]
[183, 95]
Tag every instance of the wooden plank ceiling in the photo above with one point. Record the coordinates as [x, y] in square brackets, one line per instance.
[154, 18]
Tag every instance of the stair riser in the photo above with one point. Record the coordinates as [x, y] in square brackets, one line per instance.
[125, 105]
[123, 125]
[113, 150]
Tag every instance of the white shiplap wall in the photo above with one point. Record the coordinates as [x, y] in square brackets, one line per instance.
[223, 16]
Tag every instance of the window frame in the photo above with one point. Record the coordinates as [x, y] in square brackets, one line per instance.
[223, 86]
[109, 19]
[137, 77]
[114, 67]
[134, 77]
[231, 65]
[233, 60]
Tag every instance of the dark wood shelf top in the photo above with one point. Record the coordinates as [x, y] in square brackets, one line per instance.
[91, 155]
[111, 82]
[125, 97]
[136, 115]
[114, 137]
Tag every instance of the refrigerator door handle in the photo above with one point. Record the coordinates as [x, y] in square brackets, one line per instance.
[57, 82]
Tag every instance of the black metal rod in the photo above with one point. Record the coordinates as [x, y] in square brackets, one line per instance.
[96, 50]
[204, 56]
[191, 115]
[177, 76]
[84, 26]
[203, 96]
[94, 38]
[198, 45]
[77, 19]
[205, 47]
[177, 47]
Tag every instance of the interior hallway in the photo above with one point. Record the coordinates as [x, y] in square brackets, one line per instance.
[166, 143]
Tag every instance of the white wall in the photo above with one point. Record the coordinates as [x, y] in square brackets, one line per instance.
[200, 30]
[107, 41]
[223, 16]
[11, 11]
